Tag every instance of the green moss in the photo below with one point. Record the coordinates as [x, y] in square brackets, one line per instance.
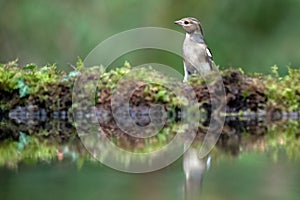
[283, 92]
[47, 85]
[18, 83]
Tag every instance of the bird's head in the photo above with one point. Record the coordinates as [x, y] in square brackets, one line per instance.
[190, 25]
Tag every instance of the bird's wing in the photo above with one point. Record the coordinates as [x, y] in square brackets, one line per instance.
[209, 58]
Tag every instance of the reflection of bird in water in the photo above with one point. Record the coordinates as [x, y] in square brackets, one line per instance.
[194, 169]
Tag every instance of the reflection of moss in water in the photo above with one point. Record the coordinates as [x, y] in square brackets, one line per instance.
[39, 149]
[279, 137]
[34, 151]
[284, 137]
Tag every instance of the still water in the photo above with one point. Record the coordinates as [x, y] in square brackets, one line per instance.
[252, 160]
[250, 176]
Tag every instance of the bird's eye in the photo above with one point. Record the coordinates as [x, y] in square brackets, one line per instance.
[186, 22]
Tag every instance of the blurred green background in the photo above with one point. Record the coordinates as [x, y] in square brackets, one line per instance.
[252, 35]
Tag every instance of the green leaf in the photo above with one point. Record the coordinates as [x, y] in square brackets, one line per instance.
[23, 88]
[30, 67]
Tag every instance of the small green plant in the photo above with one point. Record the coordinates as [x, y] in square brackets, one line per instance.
[283, 92]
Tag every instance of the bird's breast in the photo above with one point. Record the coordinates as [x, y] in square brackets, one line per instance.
[194, 55]
[193, 51]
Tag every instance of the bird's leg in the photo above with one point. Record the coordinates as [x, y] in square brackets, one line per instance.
[186, 74]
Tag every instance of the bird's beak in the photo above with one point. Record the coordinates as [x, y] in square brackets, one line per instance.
[179, 22]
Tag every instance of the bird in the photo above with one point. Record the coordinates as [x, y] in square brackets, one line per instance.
[197, 57]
